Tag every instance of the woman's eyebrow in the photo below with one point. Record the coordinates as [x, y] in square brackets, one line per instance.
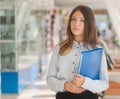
[80, 18]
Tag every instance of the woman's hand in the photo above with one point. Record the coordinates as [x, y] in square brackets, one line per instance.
[78, 80]
[71, 87]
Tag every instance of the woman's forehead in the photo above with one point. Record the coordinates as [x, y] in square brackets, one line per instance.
[78, 14]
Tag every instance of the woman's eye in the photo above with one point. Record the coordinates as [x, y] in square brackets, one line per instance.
[73, 19]
[82, 20]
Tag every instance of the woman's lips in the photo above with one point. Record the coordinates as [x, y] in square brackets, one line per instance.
[76, 29]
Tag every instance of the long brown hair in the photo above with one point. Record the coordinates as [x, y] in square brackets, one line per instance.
[90, 32]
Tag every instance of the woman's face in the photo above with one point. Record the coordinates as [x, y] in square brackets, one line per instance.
[77, 25]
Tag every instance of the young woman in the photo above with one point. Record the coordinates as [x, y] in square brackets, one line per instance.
[82, 36]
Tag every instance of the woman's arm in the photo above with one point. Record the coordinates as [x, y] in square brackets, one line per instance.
[53, 82]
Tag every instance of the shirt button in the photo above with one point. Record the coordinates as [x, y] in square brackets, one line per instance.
[75, 54]
[73, 62]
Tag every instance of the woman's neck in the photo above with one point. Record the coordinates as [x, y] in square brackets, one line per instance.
[78, 39]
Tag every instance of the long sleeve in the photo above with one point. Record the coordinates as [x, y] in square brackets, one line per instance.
[53, 82]
[102, 84]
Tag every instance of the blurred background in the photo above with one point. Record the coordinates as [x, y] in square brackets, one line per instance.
[29, 30]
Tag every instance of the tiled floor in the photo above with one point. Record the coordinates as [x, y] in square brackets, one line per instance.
[38, 90]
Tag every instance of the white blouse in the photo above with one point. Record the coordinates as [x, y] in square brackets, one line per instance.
[62, 67]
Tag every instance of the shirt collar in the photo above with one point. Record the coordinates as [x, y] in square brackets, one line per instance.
[77, 44]
[80, 45]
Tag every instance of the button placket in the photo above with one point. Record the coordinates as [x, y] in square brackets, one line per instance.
[77, 57]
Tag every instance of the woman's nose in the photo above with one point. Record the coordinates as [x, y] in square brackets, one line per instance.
[77, 23]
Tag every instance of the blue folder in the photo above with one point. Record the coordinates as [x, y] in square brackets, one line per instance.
[90, 63]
